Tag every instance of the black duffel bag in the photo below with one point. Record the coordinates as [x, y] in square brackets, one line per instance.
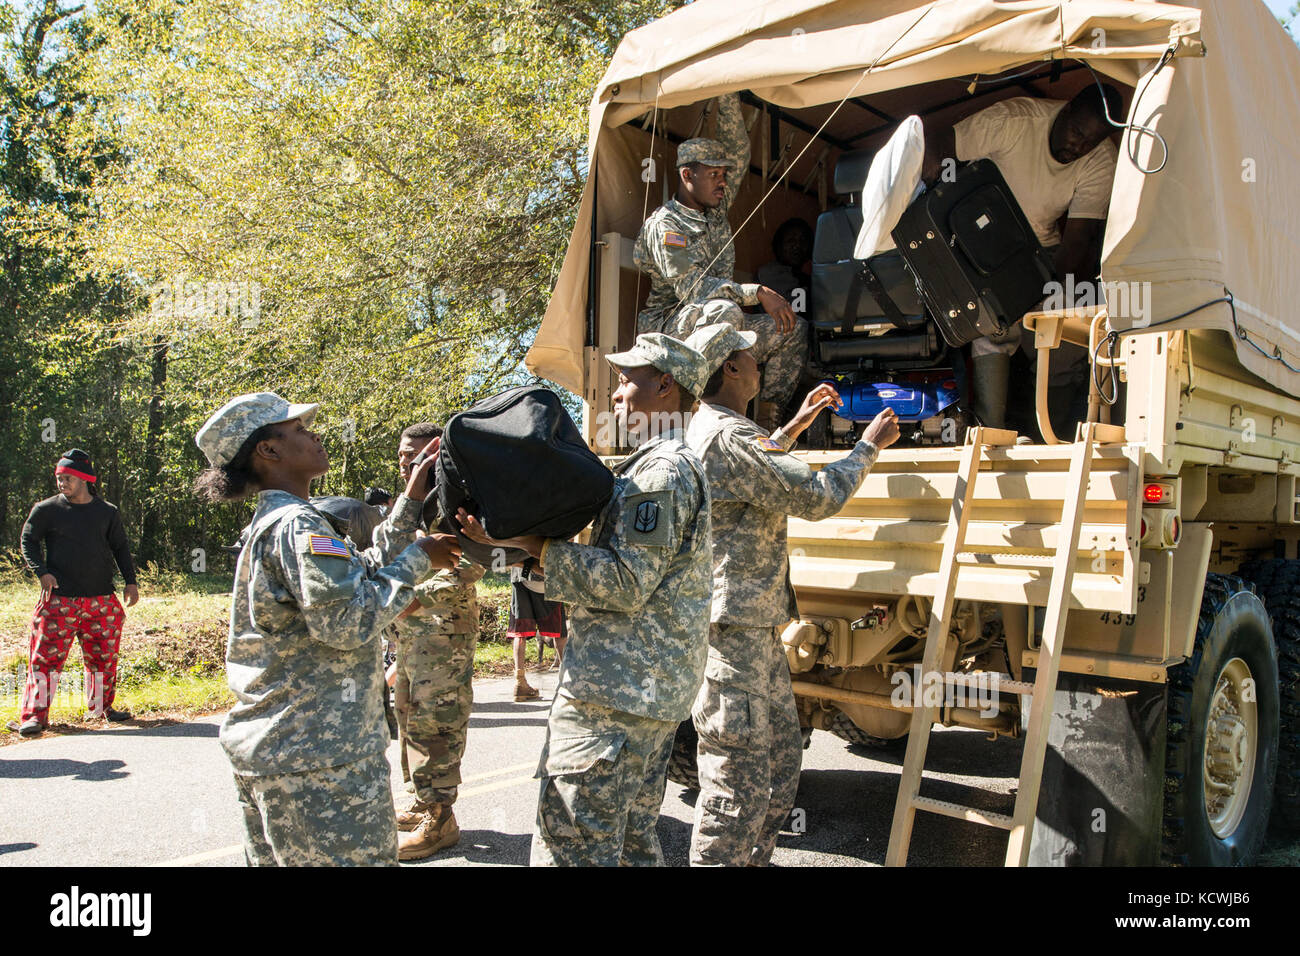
[518, 463]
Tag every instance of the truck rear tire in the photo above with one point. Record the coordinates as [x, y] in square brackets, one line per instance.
[848, 731]
[682, 767]
[1277, 582]
[1221, 745]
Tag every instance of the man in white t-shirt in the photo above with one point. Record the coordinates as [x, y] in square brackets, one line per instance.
[1060, 165]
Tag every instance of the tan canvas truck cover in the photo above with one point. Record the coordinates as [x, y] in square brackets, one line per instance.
[1223, 213]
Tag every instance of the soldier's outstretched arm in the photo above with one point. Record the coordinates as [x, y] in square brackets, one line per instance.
[770, 478]
[655, 510]
[402, 526]
[735, 143]
[343, 602]
[394, 534]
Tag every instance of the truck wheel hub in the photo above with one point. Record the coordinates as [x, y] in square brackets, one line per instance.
[1230, 738]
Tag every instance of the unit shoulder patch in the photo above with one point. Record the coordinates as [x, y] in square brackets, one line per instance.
[647, 519]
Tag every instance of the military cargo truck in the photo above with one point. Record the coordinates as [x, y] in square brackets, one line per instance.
[1125, 598]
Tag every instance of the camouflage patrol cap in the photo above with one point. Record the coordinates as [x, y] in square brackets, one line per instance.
[715, 342]
[708, 152]
[225, 432]
[667, 354]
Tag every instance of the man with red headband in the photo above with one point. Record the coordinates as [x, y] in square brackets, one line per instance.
[71, 542]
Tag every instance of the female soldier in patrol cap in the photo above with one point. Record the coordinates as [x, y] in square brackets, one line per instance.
[307, 738]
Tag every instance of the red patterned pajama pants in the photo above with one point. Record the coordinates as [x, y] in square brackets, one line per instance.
[97, 623]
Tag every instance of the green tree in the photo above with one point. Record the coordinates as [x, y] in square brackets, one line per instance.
[64, 380]
[357, 202]
[396, 180]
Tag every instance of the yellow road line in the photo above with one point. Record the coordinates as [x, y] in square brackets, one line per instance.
[530, 765]
[204, 857]
[499, 785]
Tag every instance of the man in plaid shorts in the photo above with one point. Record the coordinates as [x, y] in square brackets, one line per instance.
[71, 543]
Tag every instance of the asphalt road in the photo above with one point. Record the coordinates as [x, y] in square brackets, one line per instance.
[163, 795]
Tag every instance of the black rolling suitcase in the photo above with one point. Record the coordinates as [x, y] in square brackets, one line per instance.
[977, 264]
[518, 463]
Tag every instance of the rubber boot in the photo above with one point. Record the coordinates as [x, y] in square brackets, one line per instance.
[989, 383]
[523, 690]
[437, 831]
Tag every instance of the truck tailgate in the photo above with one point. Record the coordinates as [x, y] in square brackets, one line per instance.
[889, 537]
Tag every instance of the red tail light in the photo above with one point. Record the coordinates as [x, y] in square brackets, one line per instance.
[1156, 493]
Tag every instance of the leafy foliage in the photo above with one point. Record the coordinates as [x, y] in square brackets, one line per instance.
[357, 202]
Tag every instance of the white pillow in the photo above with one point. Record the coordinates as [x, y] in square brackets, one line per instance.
[893, 182]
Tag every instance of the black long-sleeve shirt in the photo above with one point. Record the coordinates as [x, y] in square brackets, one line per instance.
[78, 545]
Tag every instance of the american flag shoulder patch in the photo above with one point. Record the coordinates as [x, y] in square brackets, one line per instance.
[768, 444]
[675, 239]
[324, 544]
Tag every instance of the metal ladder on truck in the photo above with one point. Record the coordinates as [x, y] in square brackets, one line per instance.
[1021, 823]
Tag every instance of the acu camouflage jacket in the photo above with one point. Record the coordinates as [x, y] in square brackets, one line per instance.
[303, 657]
[639, 594]
[755, 485]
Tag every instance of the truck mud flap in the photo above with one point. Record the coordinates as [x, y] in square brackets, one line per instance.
[1100, 803]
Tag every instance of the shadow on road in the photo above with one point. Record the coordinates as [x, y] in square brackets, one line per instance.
[76, 769]
[849, 813]
[505, 707]
[169, 728]
[686, 795]
[137, 727]
[955, 753]
[486, 847]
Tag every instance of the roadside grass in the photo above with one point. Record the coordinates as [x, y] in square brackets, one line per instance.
[493, 659]
[172, 660]
[164, 694]
[494, 582]
[166, 598]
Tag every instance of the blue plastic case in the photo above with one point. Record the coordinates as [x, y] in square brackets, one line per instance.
[912, 402]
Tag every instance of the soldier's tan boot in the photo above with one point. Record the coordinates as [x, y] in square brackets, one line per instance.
[410, 819]
[524, 690]
[436, 831]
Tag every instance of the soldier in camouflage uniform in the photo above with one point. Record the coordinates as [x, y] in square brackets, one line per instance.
[750, 745]
[639, 600]
[685, 248]
[436, 635]
[306, 738]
